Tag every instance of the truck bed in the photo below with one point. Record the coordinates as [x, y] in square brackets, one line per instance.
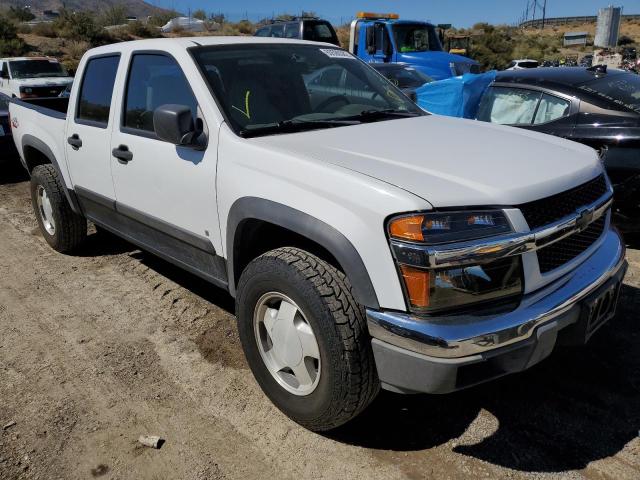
[40, 124]
[55, 107]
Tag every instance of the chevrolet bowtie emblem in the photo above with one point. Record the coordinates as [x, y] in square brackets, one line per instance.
[584, 219]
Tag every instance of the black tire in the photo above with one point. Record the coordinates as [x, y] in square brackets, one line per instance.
[348, 380]
[70, 229]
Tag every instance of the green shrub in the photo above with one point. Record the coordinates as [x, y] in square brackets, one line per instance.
[79, 26]
[114, 15]
[12, 48]
[21, 14]
[245, 27]
[10, 44]
[161, 19]
[200, 14]
[139, 29]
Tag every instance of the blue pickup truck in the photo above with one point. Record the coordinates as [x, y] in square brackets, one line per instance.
[384, 38]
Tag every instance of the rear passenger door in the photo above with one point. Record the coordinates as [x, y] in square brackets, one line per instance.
[167, 192]
[88, 135]
[527, 108]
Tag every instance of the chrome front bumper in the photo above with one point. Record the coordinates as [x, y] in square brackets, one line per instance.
[455, 337]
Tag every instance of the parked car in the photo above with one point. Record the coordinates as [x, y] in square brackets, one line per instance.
[522, 64]
[405, 77]
[32, 77]
[7, 146]
[596, 106]
[302, 28]
[427, 264]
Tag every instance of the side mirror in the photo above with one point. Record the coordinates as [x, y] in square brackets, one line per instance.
[174, 124]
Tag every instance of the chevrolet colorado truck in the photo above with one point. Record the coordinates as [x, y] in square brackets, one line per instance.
[32, 77]
[427, 264]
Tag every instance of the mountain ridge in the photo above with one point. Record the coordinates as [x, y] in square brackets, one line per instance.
[138, 8]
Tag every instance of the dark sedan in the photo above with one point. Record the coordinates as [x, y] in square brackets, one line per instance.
[594, 106]
[405, 77]
[7, 148]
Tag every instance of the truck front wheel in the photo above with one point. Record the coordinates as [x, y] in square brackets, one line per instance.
[63, 229]
[305, 338]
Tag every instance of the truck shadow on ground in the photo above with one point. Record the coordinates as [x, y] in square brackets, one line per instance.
[581, 405]
[12, 173]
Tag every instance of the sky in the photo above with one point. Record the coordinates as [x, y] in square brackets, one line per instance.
[460, 13]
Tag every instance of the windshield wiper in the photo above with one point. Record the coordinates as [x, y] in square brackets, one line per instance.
[291, 126]
[372, 115]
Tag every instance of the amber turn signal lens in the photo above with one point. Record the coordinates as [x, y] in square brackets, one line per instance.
[417, 283]
[407, 228]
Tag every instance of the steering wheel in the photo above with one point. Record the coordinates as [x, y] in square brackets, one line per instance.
[336, 98]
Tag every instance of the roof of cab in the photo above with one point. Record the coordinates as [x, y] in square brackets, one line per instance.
[550, 76]
[15, 59]
[189, 42]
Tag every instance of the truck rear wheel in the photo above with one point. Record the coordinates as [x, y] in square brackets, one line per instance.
[305, 338]
[63, 229]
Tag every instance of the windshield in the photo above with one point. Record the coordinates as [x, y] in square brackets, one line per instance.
[319, 31]
[405, 77]
[36, 69]
[420, 37]
[277, 85]
[622, 89]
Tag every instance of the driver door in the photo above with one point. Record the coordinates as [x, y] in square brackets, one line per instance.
[167, 191]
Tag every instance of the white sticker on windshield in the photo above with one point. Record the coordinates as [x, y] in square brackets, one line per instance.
[335, 53]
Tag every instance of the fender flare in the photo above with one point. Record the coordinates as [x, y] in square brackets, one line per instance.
[37, 144]
[307, 226]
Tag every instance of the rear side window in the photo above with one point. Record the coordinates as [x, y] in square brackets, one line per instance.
[94, 102]
[277, 30]
[263, 32]
[551, 108]
[292, 30]
[154, 80]
[318, 31]
[508, 106]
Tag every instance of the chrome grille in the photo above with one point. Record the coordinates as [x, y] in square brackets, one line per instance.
[567, 249]
[548, 210]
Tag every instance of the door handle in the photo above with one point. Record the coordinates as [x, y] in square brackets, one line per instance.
[74, 141]
[123, 154]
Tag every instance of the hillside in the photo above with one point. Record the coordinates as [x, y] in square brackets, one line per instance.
[138, 8]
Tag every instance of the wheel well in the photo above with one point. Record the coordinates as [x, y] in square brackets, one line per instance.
[254, 237]
[34, 157]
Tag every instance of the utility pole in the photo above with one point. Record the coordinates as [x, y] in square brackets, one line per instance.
[544, 12]
[535, 4]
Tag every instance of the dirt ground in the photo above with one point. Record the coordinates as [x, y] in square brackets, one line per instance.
[101, 347]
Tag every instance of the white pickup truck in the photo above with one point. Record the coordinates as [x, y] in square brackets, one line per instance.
[32, 77]
[367, 243]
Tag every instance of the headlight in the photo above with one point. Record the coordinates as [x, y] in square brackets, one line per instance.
[429, 290]
[446, 227]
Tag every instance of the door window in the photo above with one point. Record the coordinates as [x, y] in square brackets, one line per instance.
[154, 80]
[94, 101]
[277, 30]
[292, 30]
[509, 106]
[551, 108]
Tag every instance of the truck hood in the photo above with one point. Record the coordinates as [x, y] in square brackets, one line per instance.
[43, 82]
[436, 64]
[448, 161]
